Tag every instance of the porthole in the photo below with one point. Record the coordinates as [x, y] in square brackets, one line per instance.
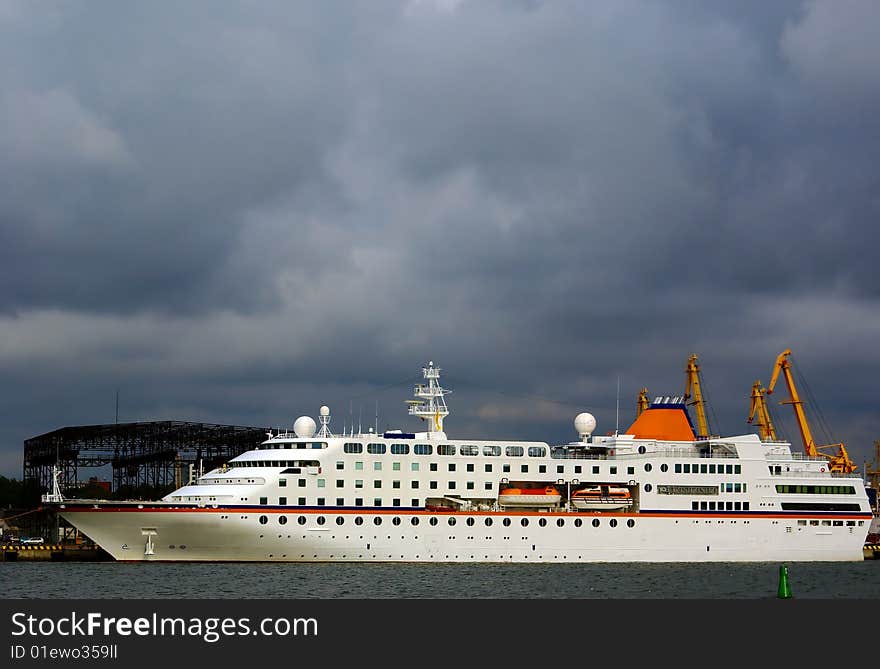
[613, 522]
[171, 547]
[664, 467]
[647, 466]
[358, 520]
[182, 547]
[578, 522]
[340, 520]
[301, 520]
[377, 520]
[451, 520]
[560, 522]
[641, 449]
[648, 487]
[321, 520]
[506, 522]
[433, 521]
[524, 522]
[282, 520]
[470, 521]
[415, 521]
[630, 523]
[264, 520]
[395, 521]
[595, 522]
[488, 522]
[542, 522]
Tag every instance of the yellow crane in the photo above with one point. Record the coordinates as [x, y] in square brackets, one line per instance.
[643, 402]
[693, 384]
[760, 411]
[838, 462]
[873, 472]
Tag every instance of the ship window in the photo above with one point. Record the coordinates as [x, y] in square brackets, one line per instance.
[612, 470]
[414, 466]
[359, 483]
[340, 501]
[506, 522]
[395, 466]
[524, 522]
[728, 506]
[560, 522]
[282, 501]
[711, 506]
[415, 484]
[415, 520]
[703, 506]
[542, 469]
[470, 450]
[396, 521]
[737, 469]
[302, 501]
[524, 469]
[505, 468]
[322, 483]
[729, 469]
[452, 466]
[537, 452]
[423, 449]
[736, 487]
[613, 522]
[433, 485]
[340, 464]
[446, 449]
[377, 483]
[492, 450]
[488, 522]
[560, 469]
[340, 483]
[695, 506]
[451, 485]
[264, 500]
[595, 469]
[687, 468]
[641, 449]
[663, 468]
[678, 468]
[577, 469]
[542, 522]
[400, 449]
[470, 485]
[376, 449]
[321, 520]
[358, 501]
[396, 502]
[647, 466]
[488, 485]
[470, 466]
[513, 451]
[282, 483]
[301, 520]
[395, 484]
[630, 470]
[703, 469]
[433, 521]
[320, 501]
[359, 466]
[595, 522]
[350, 447]
[451, 520]
[264, 520]
[711, 469]
[358, 520]
[377, 520]
[377, 466]
[648, 487]
[301, 483]
[488, 468]
[736, 506]
[578, 522]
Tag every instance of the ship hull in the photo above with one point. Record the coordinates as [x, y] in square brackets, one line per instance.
[217, 534]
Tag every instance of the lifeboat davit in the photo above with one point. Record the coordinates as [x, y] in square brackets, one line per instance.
[601, 498]
[548, 496]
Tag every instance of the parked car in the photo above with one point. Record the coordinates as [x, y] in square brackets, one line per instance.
[33, 540]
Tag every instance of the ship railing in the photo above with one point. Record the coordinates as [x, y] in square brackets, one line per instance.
[666, 452]
[823, 475]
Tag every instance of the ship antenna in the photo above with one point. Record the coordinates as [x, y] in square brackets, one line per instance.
[617, 412]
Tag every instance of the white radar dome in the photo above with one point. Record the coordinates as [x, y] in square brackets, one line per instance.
[304, 427]
[584, 424]
[325, 410]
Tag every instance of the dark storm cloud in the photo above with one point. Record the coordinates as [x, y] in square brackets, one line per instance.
[236, 212]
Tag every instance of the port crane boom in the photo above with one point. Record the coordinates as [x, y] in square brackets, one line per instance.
[760, 411]
[693, 384]
[836, 463]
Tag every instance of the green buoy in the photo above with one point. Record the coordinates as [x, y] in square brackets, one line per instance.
[784, 590]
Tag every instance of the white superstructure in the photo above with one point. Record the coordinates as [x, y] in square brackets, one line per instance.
[314, 496]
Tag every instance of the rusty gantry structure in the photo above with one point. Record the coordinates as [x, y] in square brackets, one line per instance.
[152, 456]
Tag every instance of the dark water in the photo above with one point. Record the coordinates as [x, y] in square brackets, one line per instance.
[847, 580]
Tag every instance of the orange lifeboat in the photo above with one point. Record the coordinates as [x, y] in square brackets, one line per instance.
[601, 498]
[547, 496]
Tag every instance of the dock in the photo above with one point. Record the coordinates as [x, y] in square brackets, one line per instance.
[52, 553]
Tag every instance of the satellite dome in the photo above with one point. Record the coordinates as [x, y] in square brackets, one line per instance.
[325, 410]
[584, 424]
[304, 427]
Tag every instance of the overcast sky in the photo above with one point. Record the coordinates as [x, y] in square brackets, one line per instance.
[237, 212]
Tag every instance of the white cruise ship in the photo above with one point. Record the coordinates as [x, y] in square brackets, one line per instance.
[654, 494]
